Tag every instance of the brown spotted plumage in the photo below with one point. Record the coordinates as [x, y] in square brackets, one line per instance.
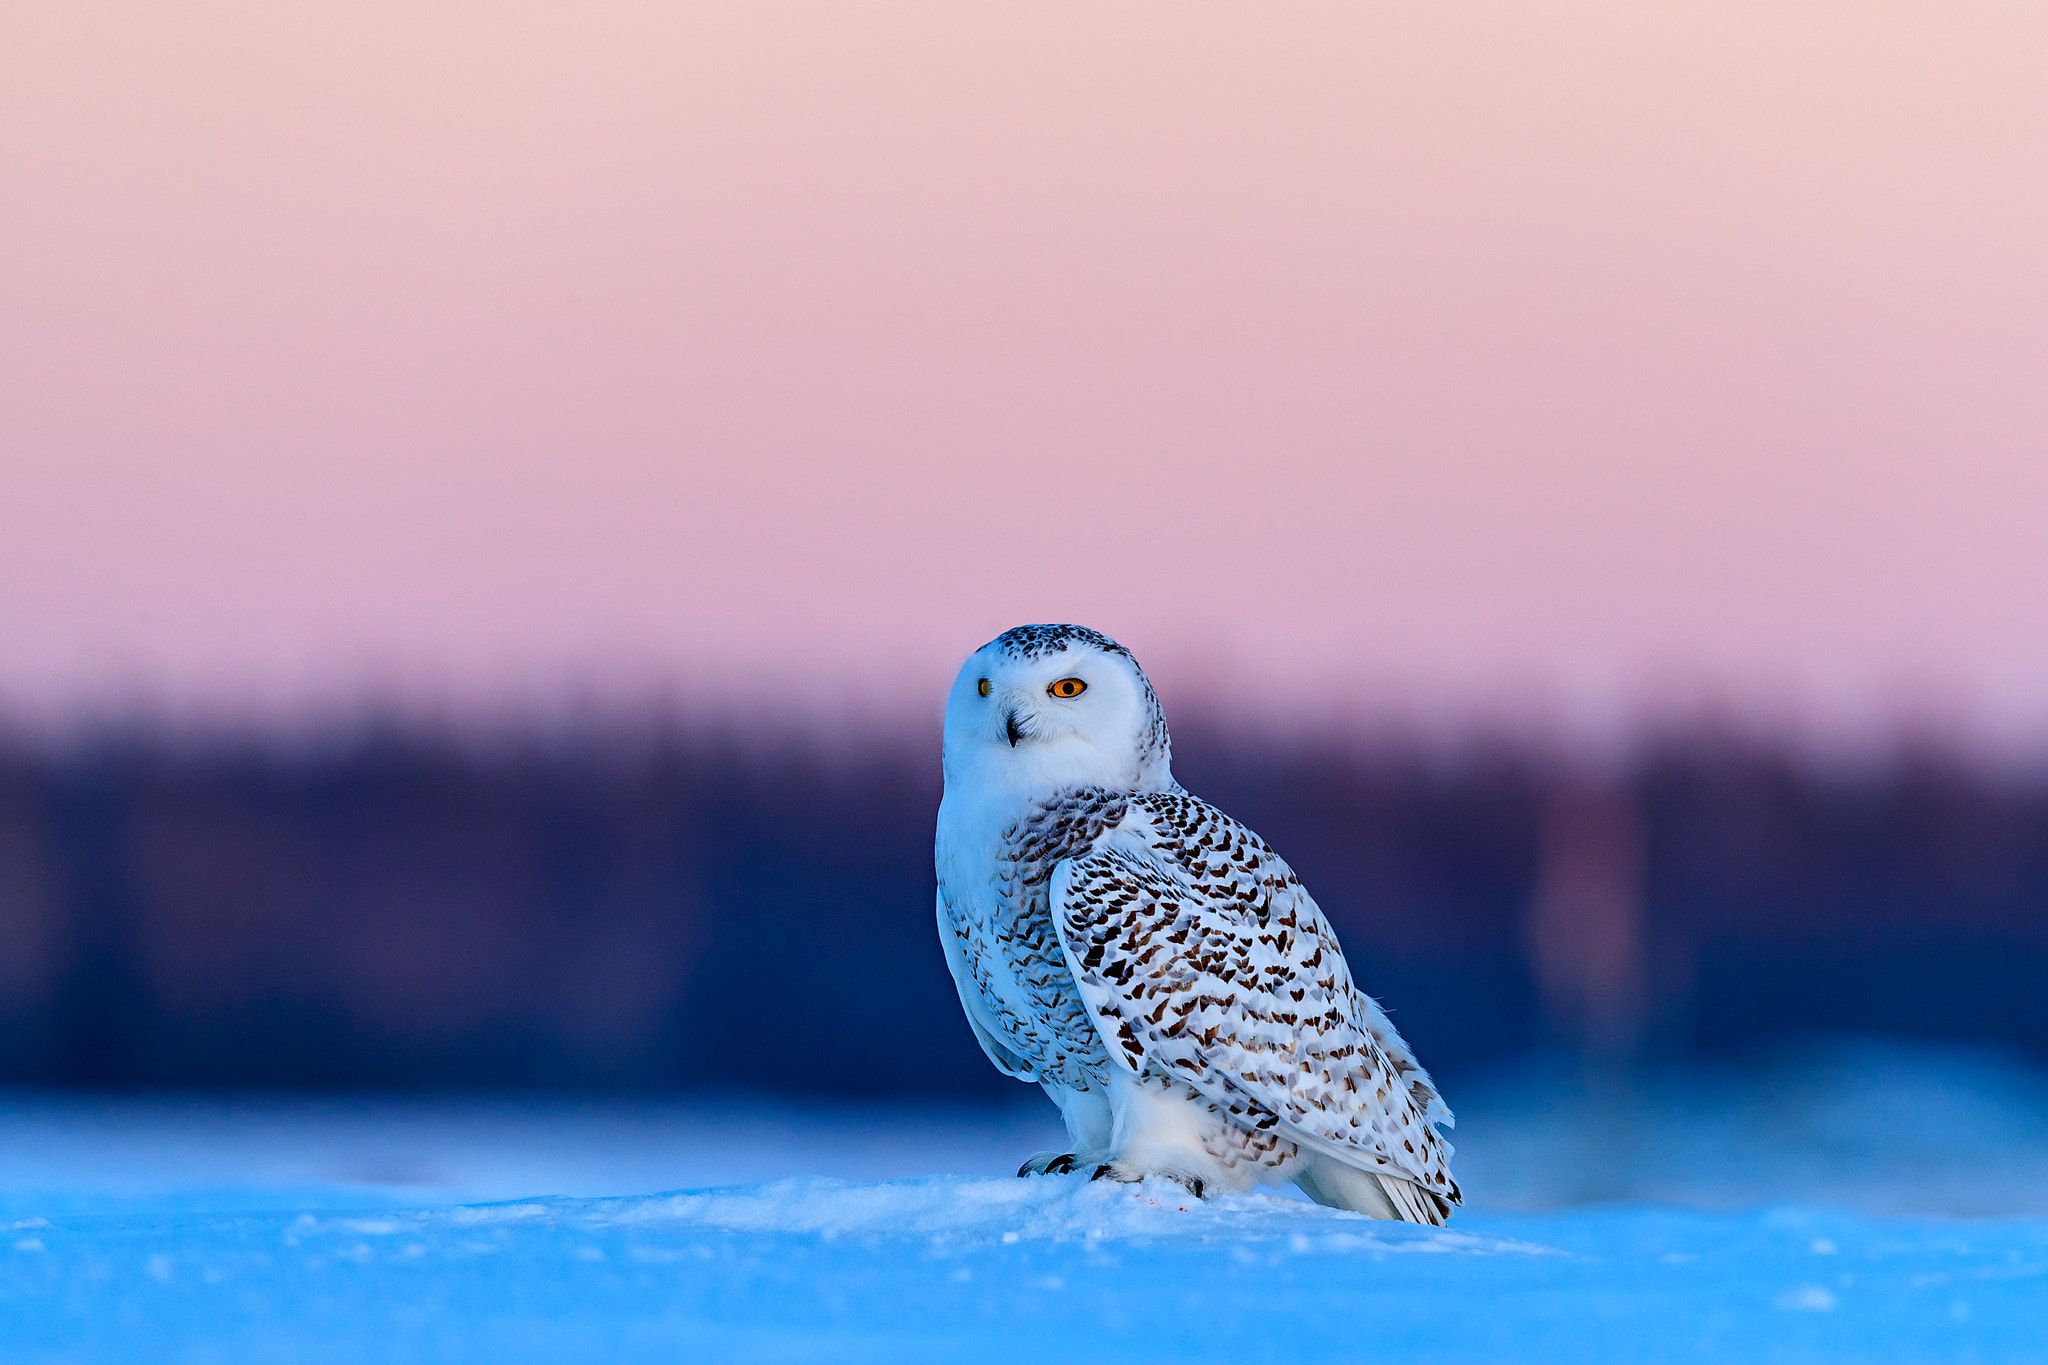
[1010, 948]
[1197, 949]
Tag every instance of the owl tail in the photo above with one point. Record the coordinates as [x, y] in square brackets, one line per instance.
[1334, 1185]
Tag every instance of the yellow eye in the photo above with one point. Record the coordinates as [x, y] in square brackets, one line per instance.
[1068, 687]
[982, 687]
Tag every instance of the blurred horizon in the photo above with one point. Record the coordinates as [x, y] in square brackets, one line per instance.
[607, 913]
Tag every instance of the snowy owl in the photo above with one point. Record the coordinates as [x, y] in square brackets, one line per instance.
[1150, 961]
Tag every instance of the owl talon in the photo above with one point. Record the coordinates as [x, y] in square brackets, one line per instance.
[1052, 1163]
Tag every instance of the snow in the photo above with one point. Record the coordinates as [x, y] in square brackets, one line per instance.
[1858, 1202]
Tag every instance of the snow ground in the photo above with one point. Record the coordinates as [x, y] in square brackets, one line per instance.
[1851, 1202]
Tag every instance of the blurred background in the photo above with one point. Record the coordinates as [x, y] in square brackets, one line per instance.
[492, 497]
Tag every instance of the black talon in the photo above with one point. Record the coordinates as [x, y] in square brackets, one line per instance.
[1100, 1171]
[1196, 1186]
[1060, 1164]
[1025, 1169]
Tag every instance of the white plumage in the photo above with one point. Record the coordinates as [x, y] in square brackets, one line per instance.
[1152, 963]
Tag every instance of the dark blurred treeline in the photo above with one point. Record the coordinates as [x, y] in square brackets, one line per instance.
[678, 911]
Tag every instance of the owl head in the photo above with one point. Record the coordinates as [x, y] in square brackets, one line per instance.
[1052, 706]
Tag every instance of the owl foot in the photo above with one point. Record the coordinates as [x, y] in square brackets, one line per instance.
[1052, 1163]
[1110, 1170]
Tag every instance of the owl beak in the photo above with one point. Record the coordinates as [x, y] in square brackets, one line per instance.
[1010, 726]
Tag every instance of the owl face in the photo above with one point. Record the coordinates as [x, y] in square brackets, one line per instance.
[1053, 705]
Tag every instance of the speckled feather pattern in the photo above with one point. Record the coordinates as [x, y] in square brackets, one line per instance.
[1202, 958]
[1047, 1033]
[1181, 939]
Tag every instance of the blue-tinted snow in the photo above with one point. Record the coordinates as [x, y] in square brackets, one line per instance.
[1854, 1203]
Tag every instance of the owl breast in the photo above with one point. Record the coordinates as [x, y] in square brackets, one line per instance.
[997, 899]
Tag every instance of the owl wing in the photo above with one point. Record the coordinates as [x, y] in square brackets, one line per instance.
[1202, 957]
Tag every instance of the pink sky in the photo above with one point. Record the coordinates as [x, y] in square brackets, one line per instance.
[1564, 362]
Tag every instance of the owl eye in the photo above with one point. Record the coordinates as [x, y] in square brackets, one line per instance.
[1068, 687]
[982, 687]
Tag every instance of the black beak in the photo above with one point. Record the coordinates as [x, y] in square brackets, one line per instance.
[1010, 727]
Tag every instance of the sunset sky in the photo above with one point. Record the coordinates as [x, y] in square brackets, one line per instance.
[1564, 363]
